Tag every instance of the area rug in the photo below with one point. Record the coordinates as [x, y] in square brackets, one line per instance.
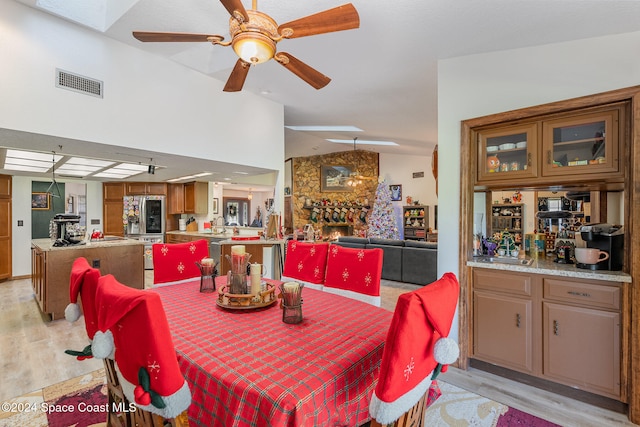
[81, 402]
[78, 402]
[461, 408]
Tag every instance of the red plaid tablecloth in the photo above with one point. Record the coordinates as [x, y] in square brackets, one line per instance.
[248, 368]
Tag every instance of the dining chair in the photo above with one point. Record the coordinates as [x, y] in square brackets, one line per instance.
[84, 284]
[416, 350]
[133, 328]
[354, 273]
[176, 262]
[305, 262]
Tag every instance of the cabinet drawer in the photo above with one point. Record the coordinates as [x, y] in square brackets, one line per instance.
[582, 293]
[502, 282]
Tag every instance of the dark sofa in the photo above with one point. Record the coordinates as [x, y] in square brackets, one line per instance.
[409, 261]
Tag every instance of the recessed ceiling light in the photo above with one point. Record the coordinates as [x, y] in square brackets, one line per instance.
[325, 128]
[361, 142]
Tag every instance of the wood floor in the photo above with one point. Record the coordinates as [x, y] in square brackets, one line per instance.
[32, 357]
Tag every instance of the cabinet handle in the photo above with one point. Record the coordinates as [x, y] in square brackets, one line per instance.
[529, 159]
[517, 320]
[579, 294]
[549, 157]
[556, 327]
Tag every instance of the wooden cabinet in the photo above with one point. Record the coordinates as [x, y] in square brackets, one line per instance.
[142, 188]
[175, 199]
[416, 221]
[544, 326]
[5, 227]
[577, 146]
[113, 208]
[581, 318]
[188, 198]
[196, 197]
[503, 320]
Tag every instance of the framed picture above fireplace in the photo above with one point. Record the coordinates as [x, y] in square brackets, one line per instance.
[334, 177]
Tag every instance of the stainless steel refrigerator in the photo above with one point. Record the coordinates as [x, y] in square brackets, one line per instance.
[145, 217]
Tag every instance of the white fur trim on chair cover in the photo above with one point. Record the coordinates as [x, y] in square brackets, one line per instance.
[176, 403]
[388, 412]
[317, 286]
[370, 299]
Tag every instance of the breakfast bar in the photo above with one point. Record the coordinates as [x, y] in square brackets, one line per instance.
[51, 268]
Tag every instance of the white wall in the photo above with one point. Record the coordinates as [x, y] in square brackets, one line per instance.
[399, 169]
[479, 85]
[149, 103]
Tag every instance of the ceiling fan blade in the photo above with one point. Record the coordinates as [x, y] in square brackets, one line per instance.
[234, 6]
[340, 18]
[237, 77]
[302, 70]
[156, 36]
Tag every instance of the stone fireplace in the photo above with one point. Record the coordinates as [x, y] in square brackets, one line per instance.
[306, 187]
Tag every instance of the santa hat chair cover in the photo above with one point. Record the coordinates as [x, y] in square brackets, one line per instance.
[176, 262]
[354, 273]
[306, 262]
[83, 283]
[133, 323]
[416, 346]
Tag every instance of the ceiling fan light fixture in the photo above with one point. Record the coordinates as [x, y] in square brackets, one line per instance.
[254, 48]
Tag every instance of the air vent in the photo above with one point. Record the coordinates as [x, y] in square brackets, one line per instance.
[77, 83]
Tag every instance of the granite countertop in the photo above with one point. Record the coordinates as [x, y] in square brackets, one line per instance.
[547, 266]
[110, 241]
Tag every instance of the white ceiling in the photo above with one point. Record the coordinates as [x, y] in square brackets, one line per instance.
[384, 74]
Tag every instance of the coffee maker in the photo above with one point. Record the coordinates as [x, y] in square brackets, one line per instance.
[608, 238]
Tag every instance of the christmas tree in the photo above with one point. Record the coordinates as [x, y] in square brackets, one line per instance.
[382, 222]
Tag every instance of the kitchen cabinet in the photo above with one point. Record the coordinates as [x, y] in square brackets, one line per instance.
[577, 146]
[582, 318]
[188, 198]
[143, 188]
[416, 221]
[112, 208]
[5, 227]
[508, 217]
[503, 320]
[544, 326]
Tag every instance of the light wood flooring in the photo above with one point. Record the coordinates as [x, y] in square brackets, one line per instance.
[32, 357]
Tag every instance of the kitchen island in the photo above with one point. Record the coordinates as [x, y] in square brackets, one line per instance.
[51, 268]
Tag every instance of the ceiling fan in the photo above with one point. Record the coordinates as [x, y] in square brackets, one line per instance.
[254, 36]
[355, 178]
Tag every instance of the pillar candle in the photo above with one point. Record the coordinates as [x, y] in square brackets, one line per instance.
[237, 250]
[256, 273]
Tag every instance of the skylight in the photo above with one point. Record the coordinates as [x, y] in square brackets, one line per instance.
[325, 128]
[361, 142]
[32, 161]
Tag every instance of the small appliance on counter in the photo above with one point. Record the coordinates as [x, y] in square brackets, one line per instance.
[65, 230]
[608, 238]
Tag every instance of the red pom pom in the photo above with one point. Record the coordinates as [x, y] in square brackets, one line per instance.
[444, 368]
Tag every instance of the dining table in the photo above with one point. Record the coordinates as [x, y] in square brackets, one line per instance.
[246, 367]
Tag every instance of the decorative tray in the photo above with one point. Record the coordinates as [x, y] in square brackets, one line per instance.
[246, 301]
[245, 238]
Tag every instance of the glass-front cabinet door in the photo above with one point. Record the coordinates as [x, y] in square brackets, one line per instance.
[508, 152]
[581, 144]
